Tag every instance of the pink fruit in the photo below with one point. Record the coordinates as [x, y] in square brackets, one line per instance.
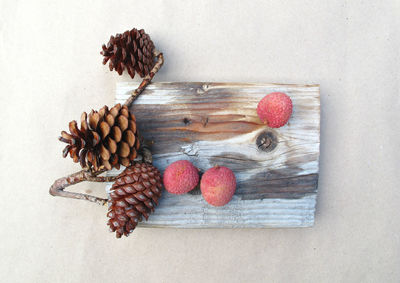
[180, 177]
[218, 185]
[275, 109]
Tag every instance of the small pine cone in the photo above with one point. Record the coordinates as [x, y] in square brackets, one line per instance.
[134, 194]
[132, 50]
[106, 139]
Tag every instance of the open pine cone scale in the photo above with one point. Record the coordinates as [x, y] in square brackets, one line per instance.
[106, 139]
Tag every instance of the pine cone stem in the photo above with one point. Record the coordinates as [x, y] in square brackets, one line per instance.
[147, 156]
[147, 79]
[57, 189]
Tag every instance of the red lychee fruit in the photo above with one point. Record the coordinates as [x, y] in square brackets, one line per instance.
[180, 177]
[218, 185]
[275, 109]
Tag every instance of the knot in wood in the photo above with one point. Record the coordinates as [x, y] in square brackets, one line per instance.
[266, 141]
[186, 121]
[203, 89]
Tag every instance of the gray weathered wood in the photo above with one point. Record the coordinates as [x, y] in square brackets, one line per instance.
[217, 123]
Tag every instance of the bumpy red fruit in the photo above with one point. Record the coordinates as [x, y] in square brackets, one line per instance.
[275, 109]
[180, 177]
[218, 185]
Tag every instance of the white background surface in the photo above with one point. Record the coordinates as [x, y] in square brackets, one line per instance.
[51, 71]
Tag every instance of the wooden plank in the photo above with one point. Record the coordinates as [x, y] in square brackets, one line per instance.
[217, 123]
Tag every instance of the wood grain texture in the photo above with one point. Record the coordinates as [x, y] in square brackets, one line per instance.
[217, 123]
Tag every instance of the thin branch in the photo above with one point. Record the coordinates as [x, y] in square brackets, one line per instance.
[57, 189]
[147, 79]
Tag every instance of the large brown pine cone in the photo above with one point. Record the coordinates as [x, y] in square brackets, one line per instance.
[106, 139]
[134, 195]
[132, 50]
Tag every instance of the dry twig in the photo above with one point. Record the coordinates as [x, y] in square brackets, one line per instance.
[147, 79]
[58, 188]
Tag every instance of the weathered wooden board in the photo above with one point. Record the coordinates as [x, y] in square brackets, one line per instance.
[217, 123]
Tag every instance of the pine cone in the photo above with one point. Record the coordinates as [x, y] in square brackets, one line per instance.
[134, 194]
[132, 50]
[106, 139]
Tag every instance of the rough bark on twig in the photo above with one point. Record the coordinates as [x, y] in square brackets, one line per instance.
[57, 189]
[147, 79]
